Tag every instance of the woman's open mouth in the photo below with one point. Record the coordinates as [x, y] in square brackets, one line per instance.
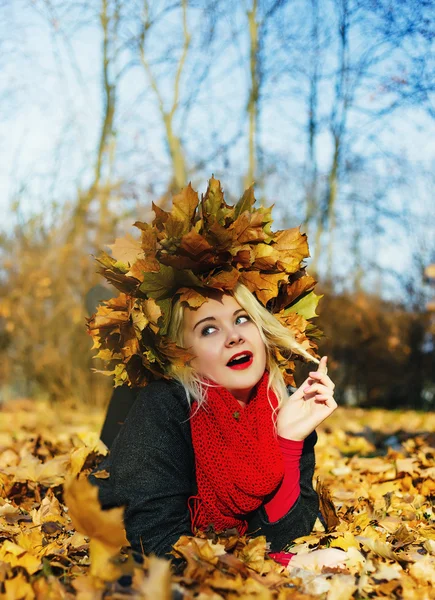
[240, 361]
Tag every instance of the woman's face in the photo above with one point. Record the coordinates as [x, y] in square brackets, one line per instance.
[227, 345]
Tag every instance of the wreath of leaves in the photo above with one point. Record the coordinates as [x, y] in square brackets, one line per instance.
[200, 244]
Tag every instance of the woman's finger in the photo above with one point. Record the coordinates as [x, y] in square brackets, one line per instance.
[323, 378]
[322, 368]
[318, 388]
[325, 399]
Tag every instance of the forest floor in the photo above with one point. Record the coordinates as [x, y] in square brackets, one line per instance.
[376, 479]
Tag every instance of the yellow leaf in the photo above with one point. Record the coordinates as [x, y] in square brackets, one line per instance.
[378, 547]
[18, 588]
[344, 542]
[78, 458]
[423, 570]
[91, 439]
[342, 587]
[102, 565]
[88, 518]
[49, 510]
[157, 586]
[305, 307]
[15, 555]
[253, 554]
[184, 206]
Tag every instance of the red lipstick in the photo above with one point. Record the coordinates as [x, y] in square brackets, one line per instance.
[240, 361]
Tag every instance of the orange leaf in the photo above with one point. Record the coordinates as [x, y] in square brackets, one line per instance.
[193, 298]
[292, 247]
[126, 249]
[248, 228]
[264, 285]
[193, 243]
[184, 206]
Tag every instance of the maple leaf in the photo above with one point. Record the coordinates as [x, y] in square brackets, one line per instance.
[142, 266]
[293, 290]
[305, 307]
[265, 257]
[15, 555]
[248, 228]
[243, 256]
[18, 588]
[292, 247]
[246, 202]
[120, 280]
[219, 236]
[161, 216]
[192, 297]
[213, 205]
[151, 310]
[327, 507]
[264, 285]
[184, 207]
[157, 586]
[158, 285]
[253, 554]
[126, 250]
[222, 280]
[177, 355]
[174, 229]
[193, 243]
[84, 508]
[105, 260]
[49, 510]
[200, 555]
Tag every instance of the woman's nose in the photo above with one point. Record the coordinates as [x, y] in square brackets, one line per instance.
[233, 337]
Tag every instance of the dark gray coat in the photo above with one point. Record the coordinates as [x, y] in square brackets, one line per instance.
[152, 474]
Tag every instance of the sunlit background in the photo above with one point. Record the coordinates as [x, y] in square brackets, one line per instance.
[327, 106]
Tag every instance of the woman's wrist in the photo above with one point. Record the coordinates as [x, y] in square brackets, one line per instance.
[289, 443]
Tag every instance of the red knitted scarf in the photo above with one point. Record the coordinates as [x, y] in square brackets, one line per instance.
[238, 459]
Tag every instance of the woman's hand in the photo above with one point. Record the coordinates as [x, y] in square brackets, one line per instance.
[311, 404]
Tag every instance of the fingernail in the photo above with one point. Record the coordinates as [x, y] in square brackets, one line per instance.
[306, 388]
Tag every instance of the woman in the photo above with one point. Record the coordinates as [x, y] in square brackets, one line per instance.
[218, 441]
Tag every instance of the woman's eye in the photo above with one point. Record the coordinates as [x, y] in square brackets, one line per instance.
[242, 319]
[207, 330]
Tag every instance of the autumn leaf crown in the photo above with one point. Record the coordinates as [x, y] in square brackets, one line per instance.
[200, 244]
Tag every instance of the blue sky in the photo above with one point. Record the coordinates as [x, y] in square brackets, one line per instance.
[49, 129]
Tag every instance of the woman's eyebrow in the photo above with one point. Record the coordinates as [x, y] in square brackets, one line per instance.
[214, 319]
[202, 321]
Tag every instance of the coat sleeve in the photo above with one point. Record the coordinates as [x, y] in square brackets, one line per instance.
[152, 470]
[301, 517]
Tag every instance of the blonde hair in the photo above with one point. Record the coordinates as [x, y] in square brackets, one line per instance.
[272, 332]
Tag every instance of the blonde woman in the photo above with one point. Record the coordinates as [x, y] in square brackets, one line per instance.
[218, 441]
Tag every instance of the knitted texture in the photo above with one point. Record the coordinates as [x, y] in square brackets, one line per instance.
[237, 455]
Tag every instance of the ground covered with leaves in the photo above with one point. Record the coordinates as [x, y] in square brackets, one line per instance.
[376, 475]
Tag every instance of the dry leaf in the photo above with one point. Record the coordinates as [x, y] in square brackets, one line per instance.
[106, 526]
